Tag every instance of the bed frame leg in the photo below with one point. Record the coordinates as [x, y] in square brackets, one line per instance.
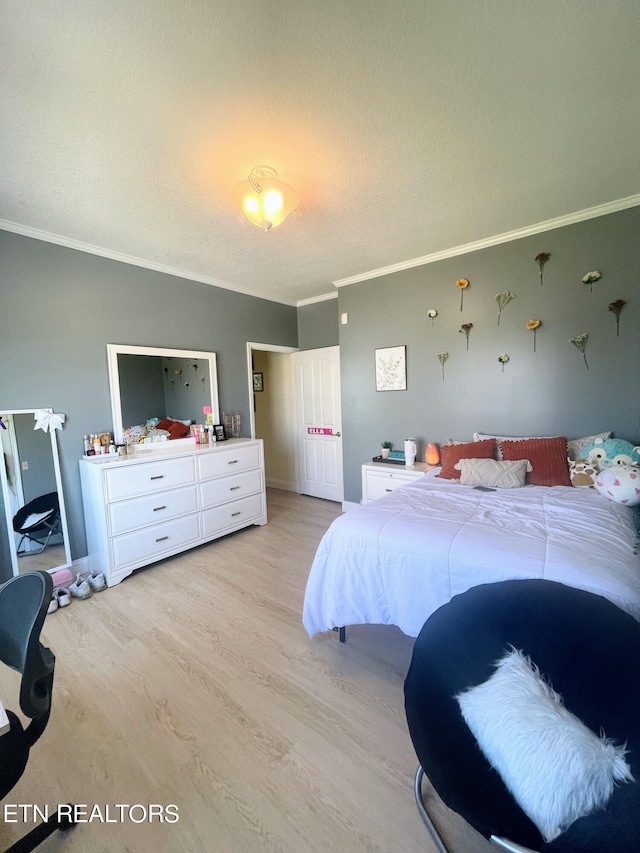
[341, 632]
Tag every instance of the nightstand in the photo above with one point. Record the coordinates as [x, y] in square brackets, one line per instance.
[378, 478]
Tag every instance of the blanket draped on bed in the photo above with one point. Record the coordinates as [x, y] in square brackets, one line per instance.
[396, 560]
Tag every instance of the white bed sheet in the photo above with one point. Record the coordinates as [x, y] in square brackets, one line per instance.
[396, 560]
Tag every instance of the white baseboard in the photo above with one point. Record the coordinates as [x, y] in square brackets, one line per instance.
[81, 565]
[285, 485]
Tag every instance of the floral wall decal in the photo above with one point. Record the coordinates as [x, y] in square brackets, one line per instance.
[432, 313]
[533, 326]
[617, 307]
[580, 342]
[464, 329]
[442, 357]
[503, 298]
[541, 260]
[503, 358]
[590, 277]
[463, 284]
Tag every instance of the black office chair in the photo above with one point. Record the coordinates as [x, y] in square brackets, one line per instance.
[590, 651]
[23, 606]
[38, 520]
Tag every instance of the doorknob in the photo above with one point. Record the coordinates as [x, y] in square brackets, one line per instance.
[337, 434]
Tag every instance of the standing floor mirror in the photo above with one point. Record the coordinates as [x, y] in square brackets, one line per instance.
[33, 526]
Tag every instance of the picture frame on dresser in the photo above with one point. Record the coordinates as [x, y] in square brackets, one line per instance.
[219, 432]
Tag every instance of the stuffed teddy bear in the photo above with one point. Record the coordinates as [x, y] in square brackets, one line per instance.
[611, 452]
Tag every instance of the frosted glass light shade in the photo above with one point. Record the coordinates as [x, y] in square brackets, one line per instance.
[263, 199]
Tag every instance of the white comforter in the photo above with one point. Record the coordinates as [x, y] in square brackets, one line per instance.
[396, 560]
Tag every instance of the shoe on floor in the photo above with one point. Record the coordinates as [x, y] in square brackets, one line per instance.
[63, 596]
[53, 604]
[80, 588]
[96, 581]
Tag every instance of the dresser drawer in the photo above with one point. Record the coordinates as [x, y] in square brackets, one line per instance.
[151, 509]
[134, 480]
[232, 514]
[223, 462]
[150, 543]
[224, 489]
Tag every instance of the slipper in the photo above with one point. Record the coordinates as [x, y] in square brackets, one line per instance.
[53, 604]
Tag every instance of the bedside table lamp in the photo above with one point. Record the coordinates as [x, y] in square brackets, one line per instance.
[432, 454]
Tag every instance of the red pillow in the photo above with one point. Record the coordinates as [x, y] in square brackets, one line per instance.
[472, 450]
[165, 423]
[178, 430]
[548, 457]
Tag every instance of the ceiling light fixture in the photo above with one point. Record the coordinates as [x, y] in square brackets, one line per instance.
[264, 200]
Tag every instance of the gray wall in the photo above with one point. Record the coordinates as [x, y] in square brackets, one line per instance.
[318, 325]
[142, 388]
[59, 309]
[547, 393]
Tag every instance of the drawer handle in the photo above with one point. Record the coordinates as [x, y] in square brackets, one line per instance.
[157, 508]
[233, 488]
[235, 513]
[162, 538]
[232, 462]
[388, 490]
[158, 477]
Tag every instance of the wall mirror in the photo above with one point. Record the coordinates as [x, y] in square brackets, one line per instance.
[33, 527]
[151, 382]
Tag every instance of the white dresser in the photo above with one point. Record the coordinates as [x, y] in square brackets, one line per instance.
[378, 478]
[148, 506]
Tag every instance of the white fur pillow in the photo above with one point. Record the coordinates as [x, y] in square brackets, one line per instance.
[555, 767]
[493, 473]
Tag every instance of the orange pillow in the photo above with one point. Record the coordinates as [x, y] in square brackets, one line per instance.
[178, 430]
[548, 457]
[165, 423]
[472, 450]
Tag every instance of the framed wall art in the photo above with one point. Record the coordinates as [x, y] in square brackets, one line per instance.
[391, 369]
[258, 382]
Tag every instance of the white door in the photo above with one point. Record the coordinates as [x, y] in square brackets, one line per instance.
[319, 422]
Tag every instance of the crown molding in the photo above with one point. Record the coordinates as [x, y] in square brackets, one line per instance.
[549, 225]
[313, 299]
[69, 243]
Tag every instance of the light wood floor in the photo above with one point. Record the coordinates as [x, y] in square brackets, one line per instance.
[194, 683]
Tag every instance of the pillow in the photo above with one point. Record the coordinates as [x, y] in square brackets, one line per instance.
[184, 421]
[178, 430]
[165, 423]
[548, 456]
[620, 484]
[582, 473]
[480, 436]
[471, 450]
[577, 445]
[492, 473]
[556, 768]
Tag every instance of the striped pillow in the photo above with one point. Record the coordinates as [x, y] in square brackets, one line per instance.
[548, 457]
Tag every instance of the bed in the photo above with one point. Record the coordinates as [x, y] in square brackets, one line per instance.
[396, 560]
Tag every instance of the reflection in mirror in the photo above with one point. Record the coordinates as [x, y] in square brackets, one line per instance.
[33, 529]
[149, 382]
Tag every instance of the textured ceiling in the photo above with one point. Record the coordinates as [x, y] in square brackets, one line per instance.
[407, 127]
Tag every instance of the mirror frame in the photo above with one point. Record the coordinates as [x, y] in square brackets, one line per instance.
[114, 350]
[61, 501]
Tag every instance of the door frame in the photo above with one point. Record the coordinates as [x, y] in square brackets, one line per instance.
[251, 346]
